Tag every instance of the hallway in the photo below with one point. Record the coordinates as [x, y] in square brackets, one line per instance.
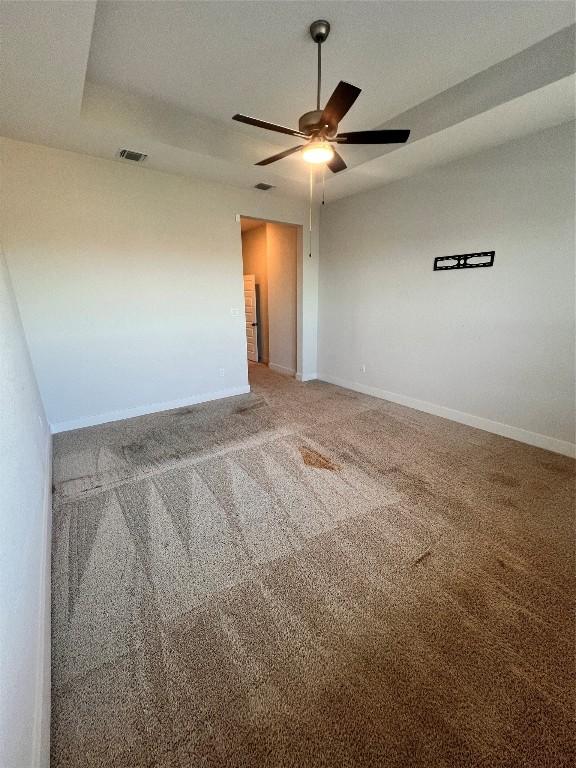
[307, 576]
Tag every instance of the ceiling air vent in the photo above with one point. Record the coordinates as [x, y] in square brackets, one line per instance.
[264, 187]
[130, 154]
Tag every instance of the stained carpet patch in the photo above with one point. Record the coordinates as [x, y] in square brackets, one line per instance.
[315, 459]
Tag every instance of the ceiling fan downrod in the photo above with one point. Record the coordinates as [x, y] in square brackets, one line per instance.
[319, 31]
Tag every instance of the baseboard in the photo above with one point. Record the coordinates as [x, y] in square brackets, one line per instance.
[41, 733]
[281, 369]
[144, 410]
[496, 427]
[306, 376]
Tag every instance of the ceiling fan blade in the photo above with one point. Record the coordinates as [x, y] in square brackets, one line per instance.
[268, 126]
[337, 163]
[280, 155]
[373, 137]
[339, 103]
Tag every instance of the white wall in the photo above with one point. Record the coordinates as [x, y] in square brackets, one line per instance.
[25, 502]
[126, 278]
[491, 347]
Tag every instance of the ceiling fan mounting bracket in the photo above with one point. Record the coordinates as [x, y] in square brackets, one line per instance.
[319, 30]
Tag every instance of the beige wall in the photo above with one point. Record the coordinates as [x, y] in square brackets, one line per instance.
[282, 251]
[254, 258]
[270, 253]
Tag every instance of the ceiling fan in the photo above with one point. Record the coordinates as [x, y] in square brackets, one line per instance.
[320, 126]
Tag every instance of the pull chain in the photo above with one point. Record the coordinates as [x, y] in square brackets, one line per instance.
[310, 218]
[323, 184]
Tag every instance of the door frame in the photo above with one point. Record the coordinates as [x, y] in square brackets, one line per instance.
[299, 278]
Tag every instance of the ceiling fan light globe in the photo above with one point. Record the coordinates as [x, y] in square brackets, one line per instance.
[318, 152]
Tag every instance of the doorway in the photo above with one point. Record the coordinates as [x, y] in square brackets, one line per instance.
[270, 265]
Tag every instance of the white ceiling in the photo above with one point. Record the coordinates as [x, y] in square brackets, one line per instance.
[218, 58]
[166, 77]
[537, 110]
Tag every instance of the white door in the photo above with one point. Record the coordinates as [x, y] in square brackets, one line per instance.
[251, 319]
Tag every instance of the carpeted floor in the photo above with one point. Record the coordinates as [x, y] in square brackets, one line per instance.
[305, 576]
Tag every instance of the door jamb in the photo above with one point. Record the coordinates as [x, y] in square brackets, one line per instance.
[299, 280]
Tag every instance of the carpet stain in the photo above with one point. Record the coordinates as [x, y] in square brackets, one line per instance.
[314, 459]
[553, 467]
[499, 477]
[247, 408]
[424, 556]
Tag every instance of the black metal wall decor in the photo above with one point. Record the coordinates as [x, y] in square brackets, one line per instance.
[464, 261]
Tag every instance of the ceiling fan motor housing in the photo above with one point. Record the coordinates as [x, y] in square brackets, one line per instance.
[311, 123]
